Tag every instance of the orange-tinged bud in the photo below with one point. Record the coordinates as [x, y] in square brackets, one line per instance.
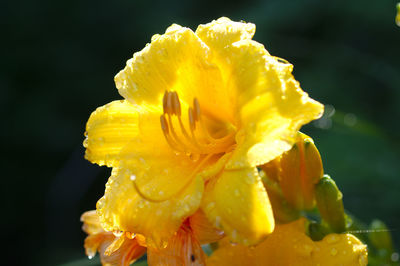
[300, 170]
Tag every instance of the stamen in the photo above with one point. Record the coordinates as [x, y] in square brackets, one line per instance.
[164, 124]
[192, 122]
[167, 103]
[176, 105]
[168, 138]
[189, 144]
[196, 107]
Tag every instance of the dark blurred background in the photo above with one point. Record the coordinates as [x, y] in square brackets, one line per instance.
[58, 60]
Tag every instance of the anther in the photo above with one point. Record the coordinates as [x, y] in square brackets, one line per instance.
[196, 109]
[164, 124]
[167, 103]
[176, 105]
[192, 122]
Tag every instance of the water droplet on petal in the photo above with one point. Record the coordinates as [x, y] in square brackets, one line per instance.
[210, 206]
[217, 221]
[133, 177]
[141, 204]
[234, 234]
[363, 259]
[85, 142]
[305, 250]
[117, 233]
[332, 238]
[333, 251]
[186, 208]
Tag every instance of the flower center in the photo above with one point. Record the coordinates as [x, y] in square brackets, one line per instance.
[196, 140]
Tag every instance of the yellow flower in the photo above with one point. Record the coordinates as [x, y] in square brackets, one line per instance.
[289, 245]
[202, 109]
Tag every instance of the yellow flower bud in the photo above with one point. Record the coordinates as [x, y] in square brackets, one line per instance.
[330, 204]
[300, 170]
[398, 14]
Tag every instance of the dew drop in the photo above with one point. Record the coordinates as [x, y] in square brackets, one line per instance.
[186, 208]
[249, 178]
[332, 239]
[210, 205]
[117, 233]
[363, 259]
[130, 235]
[305, 250]
[133, 177]
[333, 251]
[85, 143]
[217, 221]
[234, 234]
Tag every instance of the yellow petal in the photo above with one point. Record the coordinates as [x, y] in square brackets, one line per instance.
[272, 108]
[156, 170]
[115, 245]
[289, 245]
[91, 223]
[182, 249]
[123, 208]
[175, 61]
[236, 202]
[128, 250]
[233, 255]
[222, 32]
[203, 230]
[109, 128]
[341, 249]
[215, 167]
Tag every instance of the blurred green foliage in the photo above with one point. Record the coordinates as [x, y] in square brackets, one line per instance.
[58, 59]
